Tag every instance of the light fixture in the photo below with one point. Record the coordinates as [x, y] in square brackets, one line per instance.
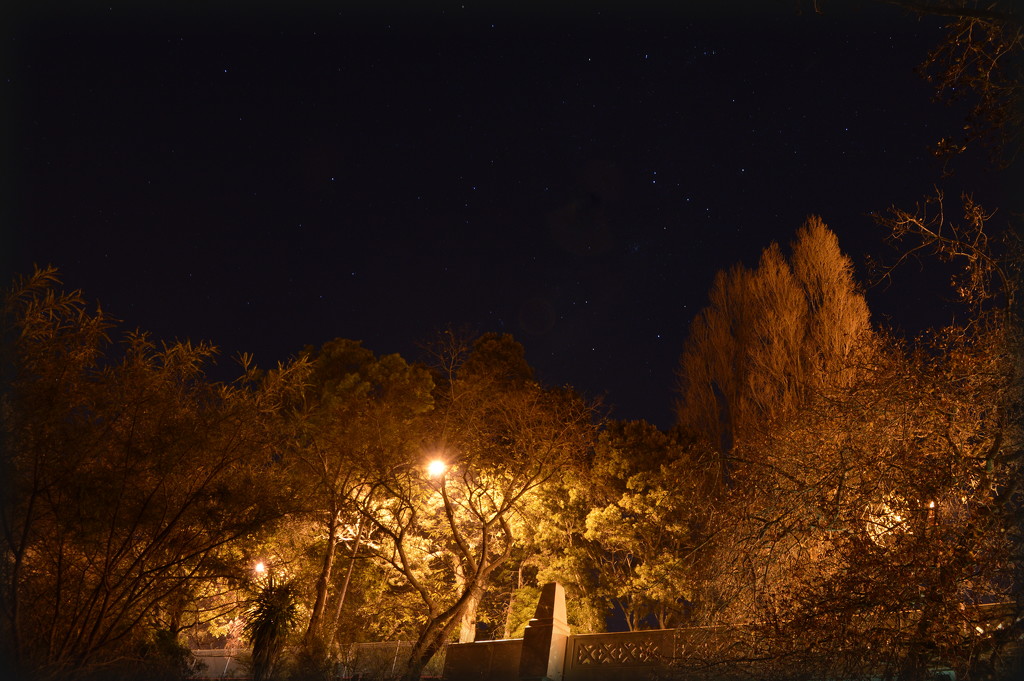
[436, 468]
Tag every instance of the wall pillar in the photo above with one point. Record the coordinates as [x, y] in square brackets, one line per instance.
[543, 653]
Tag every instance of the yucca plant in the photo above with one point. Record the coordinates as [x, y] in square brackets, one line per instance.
[269, 619]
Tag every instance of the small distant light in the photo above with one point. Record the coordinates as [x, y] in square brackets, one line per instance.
[260, 568]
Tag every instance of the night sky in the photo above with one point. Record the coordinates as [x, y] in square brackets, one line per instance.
[271, 178]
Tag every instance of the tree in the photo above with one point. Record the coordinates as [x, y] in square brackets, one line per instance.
[768, 338]
[867, 532]
[647, 530]
[987, 270]
[213, 614]
[501, 436]
[978, 61]
[873, 530]
[878, 526]
[268, 621]
[355, 409]
[559, 551]
[127, 472]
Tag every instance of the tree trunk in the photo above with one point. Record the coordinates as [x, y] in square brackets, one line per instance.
[439, 627]
[467, 622]
[344, 586]
[511, 602]
[323, 580]
[474, 591]
[429, 642]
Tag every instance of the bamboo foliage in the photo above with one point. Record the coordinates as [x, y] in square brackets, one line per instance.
[127, 471]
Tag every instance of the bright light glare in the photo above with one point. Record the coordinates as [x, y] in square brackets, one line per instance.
[436, 468]
[260, 568]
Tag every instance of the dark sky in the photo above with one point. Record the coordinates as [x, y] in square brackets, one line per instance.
[271, 178]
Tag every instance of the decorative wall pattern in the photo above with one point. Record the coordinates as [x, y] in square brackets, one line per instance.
[637, 649]
[619, 653]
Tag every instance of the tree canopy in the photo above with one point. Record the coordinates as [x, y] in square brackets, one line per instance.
[769, 337]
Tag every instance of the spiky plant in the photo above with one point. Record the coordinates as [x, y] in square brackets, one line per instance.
[269, 619]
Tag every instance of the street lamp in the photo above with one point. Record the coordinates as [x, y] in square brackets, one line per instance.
[436, 468]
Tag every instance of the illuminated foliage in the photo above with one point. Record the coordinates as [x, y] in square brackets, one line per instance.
[882, 521]
[874, 530]
[126, 473]
[768, 338]
[502, 436]
[268, 622]
[355, 412]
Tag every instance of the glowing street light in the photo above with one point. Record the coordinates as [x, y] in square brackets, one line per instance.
[260, 568]
[436, 468]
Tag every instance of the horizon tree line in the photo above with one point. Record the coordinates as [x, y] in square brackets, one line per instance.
[838, 479]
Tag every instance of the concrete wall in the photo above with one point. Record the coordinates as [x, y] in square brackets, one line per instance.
[588, 657]
[483, 660]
